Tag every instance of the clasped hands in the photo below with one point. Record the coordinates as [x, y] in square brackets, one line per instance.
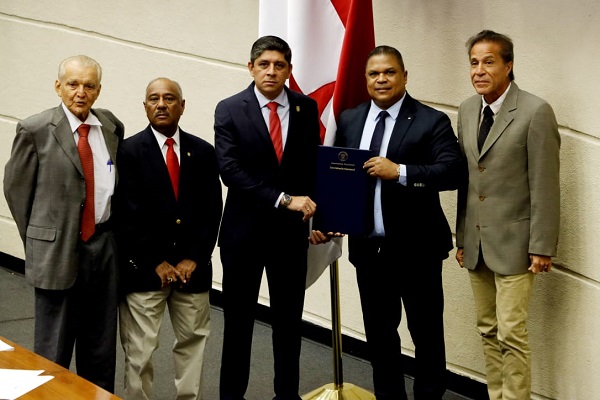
[169, 274]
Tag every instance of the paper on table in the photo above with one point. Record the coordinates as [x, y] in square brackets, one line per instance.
[5, 346]
[14, 383]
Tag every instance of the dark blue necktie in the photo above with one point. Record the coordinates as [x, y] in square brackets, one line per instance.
[375, 146]
[486, 125]
[378, 133]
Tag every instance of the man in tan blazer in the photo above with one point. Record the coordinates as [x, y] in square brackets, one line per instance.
[73, 270]
[508, 215]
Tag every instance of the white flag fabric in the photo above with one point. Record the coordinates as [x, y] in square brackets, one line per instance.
[330, 41]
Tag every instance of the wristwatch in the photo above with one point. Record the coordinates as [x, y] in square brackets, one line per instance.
[286, 200]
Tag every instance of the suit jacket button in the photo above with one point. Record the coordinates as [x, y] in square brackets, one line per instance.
[477, 226]
[178, 221]
[481, 168]
[482, 198]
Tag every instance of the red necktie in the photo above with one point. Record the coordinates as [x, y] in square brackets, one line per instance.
[88, 220]
[275, 130]
[173, 166]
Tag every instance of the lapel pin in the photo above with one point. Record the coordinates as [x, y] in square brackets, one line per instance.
[297, 108]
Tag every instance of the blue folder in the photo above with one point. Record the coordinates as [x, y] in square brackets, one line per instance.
[342, 190]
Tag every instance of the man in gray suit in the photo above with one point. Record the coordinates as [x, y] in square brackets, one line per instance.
[508, 215]
[58, 186]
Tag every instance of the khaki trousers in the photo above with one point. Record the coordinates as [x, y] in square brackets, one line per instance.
[502, 302]
[141, 315]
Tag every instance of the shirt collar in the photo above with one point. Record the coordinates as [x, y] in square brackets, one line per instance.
[282, 99]
[393, 111]
[161, 139]
[74, 122]
[496, 105]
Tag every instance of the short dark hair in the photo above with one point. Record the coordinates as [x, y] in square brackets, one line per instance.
[505, 43]
[266, 43]
[387, 50]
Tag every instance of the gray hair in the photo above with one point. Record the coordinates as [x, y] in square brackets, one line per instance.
[177, 85]
[84, 61]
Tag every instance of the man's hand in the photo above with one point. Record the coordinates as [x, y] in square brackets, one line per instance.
[540, 263]
[318, 237]
[167, 273]
[460, 257]
[185, 269]
[381, 167]
[303, 204]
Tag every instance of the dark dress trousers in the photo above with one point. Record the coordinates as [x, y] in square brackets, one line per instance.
[405, 266]
[255, 235]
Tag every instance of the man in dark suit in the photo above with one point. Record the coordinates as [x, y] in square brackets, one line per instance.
[265, 221]
[399, 261]
[508, 215]
[61, 203]
[169, 209]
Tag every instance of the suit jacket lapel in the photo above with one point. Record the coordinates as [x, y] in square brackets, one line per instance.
[64, 135]
[294, 113]
[355, 130]
[186, 157]
[405, 118]
[108, 131]
[62, 132]
[156, 161]
[471, 122]
[254, 114]
[502, 119]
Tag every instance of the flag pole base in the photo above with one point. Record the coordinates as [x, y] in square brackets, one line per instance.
[345, 391]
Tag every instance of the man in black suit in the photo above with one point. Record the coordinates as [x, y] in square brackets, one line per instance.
[170, 204]
[265, 221]
[399, 261]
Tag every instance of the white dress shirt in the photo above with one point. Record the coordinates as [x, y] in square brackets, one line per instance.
[365, 142]
[104, 168]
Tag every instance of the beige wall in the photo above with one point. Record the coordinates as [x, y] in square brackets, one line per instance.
[205, 44]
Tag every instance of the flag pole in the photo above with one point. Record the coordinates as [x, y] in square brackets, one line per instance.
[338, 390]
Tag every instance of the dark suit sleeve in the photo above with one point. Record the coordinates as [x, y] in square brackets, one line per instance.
[444, 167]
[138, 246]
[234, 155]
[202, 208]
